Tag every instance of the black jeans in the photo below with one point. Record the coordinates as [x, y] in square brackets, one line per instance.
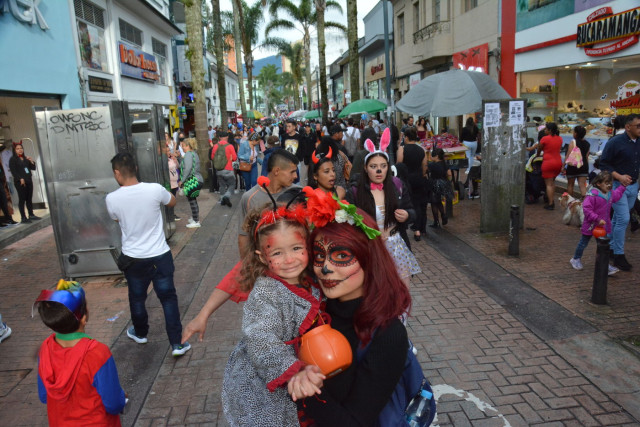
[159, 271]
[25, 194]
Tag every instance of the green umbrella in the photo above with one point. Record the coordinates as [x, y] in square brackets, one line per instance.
[253, 114]
[313, 114]
[363, 106]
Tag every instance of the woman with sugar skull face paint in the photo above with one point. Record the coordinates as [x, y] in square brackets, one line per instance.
[365, 298]
[385, 198]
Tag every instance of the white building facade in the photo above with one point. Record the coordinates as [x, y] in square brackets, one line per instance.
[123, 49]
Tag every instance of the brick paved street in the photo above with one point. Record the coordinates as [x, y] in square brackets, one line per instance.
[490, 366]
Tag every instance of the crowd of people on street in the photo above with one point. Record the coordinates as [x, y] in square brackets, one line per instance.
[323, 237]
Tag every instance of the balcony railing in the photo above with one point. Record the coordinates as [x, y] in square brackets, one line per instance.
[431, 30]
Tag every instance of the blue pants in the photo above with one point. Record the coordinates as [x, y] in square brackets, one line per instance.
[251, 177]
[472, 148]
[582, 244]
[158, 270]
[621, 216]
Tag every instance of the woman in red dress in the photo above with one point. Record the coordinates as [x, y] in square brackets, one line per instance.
[550, 145]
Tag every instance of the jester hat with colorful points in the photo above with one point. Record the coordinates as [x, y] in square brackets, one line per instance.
[68, 293]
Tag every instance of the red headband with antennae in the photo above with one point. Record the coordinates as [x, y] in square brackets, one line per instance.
[316, 159]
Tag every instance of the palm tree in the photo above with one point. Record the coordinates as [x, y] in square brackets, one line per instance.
[352, 37]
[306, 18]
[193, 18]
[288, 88]
[294, 54]
[253, 18]
[321, 7]
[238, 29]
[269, 81]
[216, 42]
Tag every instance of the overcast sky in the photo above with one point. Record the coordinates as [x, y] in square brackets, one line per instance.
[338, 46]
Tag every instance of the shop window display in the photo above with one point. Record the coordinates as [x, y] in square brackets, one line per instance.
[587, 94]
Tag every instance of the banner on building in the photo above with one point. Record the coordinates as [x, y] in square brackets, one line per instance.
[137, 64]
[473, 59]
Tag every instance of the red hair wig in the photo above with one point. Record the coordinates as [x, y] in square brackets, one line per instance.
[385, 295]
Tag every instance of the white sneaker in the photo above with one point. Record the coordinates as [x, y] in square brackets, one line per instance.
[5, 331]
[613, 270]
[193, 225]
[191, 221]
[575, 263]
[180, 349]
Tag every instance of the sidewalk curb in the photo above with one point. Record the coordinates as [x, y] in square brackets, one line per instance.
[20, 231]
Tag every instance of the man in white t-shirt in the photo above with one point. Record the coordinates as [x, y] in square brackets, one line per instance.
[137, 207]
[351, 139]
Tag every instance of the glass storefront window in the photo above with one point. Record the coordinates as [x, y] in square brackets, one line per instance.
[587, 94]
[92, 47]
[372, 90]
[160, 52]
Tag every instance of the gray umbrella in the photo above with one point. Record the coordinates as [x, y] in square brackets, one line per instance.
[452, 93]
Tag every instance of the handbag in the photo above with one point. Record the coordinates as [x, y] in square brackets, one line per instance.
[192, 186]
[244, 166]
[575, 157]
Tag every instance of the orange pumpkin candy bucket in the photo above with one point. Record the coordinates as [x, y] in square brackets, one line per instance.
[326, 348]
[599, 231]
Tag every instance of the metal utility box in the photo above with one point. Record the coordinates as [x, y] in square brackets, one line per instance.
[76, 147]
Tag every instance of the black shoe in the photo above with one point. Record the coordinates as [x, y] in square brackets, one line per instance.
[434, 224]
[417, 237]
[445, 220]
[34, 217]
[25, 221]
[229, 202]
[550, 207]
[621, 262]
[3, 225]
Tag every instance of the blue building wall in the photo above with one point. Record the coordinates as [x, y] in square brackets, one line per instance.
[37, 61]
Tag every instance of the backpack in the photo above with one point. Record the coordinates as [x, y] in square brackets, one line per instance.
[410, 384]
[351, 143]
[220, 158]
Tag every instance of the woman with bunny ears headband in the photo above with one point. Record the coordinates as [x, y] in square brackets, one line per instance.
[386, 199]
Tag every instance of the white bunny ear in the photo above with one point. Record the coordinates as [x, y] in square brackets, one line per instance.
[369, 146]
[385, 139]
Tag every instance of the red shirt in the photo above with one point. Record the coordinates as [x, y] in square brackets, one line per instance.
[229, 151]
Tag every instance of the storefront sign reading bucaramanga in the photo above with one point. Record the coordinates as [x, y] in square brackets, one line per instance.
[137, 64]
[603, 26]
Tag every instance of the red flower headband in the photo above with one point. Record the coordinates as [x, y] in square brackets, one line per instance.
[323, 208]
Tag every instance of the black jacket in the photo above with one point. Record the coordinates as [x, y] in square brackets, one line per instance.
[21, 168]
[404, 202]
